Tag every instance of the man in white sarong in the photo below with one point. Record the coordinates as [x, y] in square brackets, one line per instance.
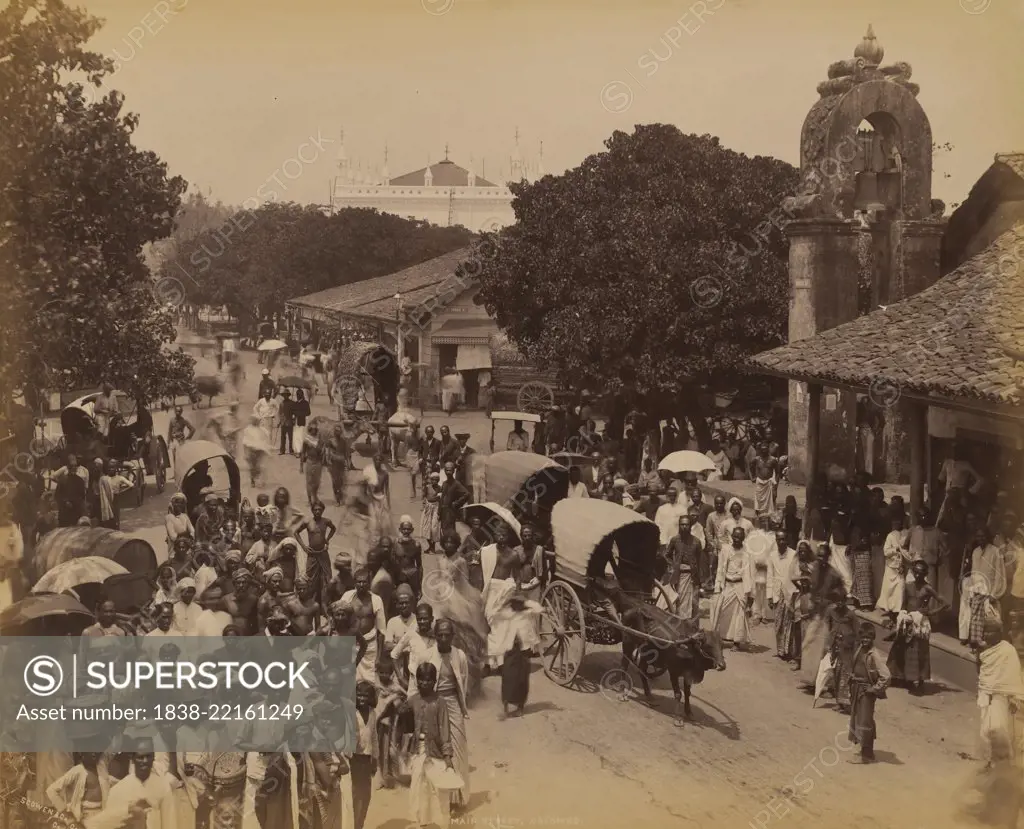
[369, 622]
[377, 486]
[668, 514]
[734, 587]
[721, 461]
[764, 471]
[498, 563]
[1000, 696]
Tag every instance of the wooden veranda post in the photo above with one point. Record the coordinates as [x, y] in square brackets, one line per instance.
[917, 433]
[813, 448]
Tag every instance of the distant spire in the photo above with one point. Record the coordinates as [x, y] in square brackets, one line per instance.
[385, 174]
[870, 49]
[446, 152]
[344, 164]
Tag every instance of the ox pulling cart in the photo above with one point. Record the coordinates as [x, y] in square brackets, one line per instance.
[604, 592]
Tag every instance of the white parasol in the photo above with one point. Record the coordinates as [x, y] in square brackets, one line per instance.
[76, 572]
[272, 345]
[686, 461]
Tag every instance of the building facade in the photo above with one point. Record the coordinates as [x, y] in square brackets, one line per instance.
[425, 315]
[444, 193]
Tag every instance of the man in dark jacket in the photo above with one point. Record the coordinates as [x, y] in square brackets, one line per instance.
[287, 415]
[266, 382]
[454, 496]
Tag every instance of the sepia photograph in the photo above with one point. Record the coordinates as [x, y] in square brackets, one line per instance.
[511, 413]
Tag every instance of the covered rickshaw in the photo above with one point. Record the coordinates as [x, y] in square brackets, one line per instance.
[204, 467]
[597, 541]
[526, 484]
[365, 373]
[130, 440]
[57, 547]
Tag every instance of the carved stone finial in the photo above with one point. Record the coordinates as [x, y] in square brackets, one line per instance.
[870, 49]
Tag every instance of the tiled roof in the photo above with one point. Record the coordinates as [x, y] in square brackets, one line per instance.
[376, 297]
[1015, 161]
[951, 339]
[446, 174]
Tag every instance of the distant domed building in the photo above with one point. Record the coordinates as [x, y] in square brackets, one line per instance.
[444, 193]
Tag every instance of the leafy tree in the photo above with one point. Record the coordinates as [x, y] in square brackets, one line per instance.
[77, 204]
[650, 271]
[257, 260]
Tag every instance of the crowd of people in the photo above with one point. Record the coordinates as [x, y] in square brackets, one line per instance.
[433, 612]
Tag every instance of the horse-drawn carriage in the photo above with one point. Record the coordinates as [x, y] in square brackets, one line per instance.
[604, 592]
[130, 440]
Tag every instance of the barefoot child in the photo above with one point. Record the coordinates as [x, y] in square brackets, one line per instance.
[433, 748]
[868, 681]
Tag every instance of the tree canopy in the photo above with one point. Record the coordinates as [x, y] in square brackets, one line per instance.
[78, 201]
[258, 259]
[651, 267]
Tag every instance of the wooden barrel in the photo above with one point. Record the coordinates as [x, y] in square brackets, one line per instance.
[134, 554]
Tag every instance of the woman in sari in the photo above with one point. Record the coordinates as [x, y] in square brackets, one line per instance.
[448, 592]
[177, 522]
[897, 558]
[166, 586]
[430, 520]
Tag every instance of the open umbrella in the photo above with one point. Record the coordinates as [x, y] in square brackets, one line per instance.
[76, 572]
[40, 607]
[272, 345]
[686, 461]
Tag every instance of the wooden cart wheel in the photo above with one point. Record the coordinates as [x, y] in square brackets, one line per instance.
[535, 397]
[140, 482]
[659, 597]
[562, 633]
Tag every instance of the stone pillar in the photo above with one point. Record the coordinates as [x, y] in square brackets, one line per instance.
[813, 444]
[914, 266]
[915, 416]
[824, 268]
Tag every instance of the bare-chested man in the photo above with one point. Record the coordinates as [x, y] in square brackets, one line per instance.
[302, 607]
[408, 556]
[319, 532]
[764, 472]
[242, 604]
[369, 622]
[271, 598]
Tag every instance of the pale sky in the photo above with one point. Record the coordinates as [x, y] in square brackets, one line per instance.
[229, 91]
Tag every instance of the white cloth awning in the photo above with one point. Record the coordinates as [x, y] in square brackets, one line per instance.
[470, 357]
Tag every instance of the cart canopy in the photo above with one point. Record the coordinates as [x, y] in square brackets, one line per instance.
[588, 533]
[136, 555]
[513, 478]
